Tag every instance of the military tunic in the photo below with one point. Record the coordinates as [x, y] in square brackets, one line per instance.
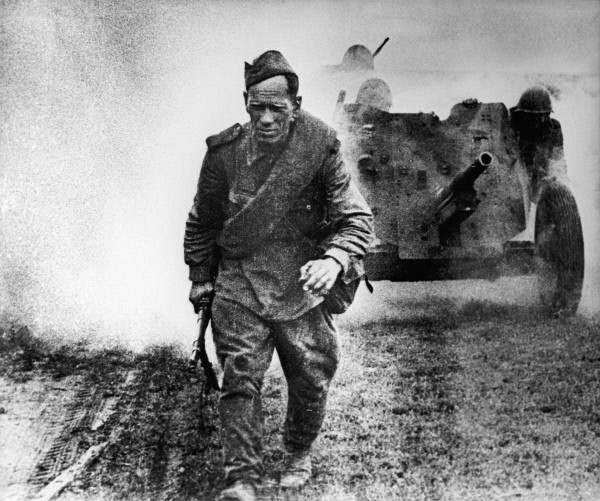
[255, 221]
[264, 277]
[542, 151]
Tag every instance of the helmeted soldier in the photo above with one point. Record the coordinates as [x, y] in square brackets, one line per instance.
[539, 135]
[357, 57]
[376, 93]
[275, 224]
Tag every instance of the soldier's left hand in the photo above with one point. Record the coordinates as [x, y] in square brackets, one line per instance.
[320, 275]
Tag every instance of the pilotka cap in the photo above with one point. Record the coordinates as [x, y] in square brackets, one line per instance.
[267, 65]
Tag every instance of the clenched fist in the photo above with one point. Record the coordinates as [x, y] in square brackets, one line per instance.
[320, 275]
[199, 291]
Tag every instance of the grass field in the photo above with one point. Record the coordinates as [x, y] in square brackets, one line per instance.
[442, 394]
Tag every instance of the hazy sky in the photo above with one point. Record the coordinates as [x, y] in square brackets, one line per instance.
[105, 106]
[535, 35]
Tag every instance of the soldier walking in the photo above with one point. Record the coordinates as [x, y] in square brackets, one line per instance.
[275, 224]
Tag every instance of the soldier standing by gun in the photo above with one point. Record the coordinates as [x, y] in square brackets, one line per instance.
[275, 224]
[539, 136]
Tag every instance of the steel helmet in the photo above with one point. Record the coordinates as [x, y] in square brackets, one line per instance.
[375, 92]
[358, 57]
[536, 99]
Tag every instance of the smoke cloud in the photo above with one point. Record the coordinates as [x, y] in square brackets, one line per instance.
[105, 107]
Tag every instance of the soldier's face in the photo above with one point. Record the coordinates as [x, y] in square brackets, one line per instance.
[272, 110]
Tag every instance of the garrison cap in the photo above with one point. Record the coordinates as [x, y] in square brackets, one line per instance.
[267, 65]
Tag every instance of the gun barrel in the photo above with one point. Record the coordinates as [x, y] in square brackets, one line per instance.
[463, 180]
[381, 46]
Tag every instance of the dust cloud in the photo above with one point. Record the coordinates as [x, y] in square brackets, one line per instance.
[105, 107]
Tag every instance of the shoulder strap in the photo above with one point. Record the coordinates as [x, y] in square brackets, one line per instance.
[224, 137]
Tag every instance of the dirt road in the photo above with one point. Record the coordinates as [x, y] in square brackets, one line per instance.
[439, 397]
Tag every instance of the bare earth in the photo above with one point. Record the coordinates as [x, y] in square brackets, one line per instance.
[461, 391]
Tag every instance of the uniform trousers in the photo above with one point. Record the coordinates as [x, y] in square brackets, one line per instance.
[309, 352]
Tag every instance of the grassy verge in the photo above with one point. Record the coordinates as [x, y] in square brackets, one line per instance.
[448, 402]
[476, 402]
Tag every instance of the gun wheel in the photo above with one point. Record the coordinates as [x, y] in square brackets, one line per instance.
[560, 255]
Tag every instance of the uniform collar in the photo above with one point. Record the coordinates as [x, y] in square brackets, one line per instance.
[254, 153]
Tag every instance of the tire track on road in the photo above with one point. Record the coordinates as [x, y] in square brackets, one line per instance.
[82, 418]
[33, 418]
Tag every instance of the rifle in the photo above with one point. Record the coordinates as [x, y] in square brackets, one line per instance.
[380, 47]
[199, 351]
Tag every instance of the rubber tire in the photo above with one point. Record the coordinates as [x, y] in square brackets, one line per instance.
[560, 253]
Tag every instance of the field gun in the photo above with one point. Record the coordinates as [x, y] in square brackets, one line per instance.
[437, 220]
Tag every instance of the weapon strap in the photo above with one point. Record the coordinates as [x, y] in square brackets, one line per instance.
[204, 316]
[211, 378]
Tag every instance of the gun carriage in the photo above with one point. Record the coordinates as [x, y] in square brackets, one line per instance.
[452, 200]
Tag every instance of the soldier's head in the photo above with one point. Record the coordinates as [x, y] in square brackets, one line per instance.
[532, 113]
[375, 92]
[271, 97]
[357, 57]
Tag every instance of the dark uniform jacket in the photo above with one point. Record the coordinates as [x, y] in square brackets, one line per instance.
[257, 219]
[541, 151]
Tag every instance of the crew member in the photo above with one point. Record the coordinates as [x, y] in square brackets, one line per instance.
[539, 136]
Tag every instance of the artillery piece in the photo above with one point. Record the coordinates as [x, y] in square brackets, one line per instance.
[452, 199]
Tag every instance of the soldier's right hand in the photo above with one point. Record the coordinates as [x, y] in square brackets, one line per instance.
[199, 291]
